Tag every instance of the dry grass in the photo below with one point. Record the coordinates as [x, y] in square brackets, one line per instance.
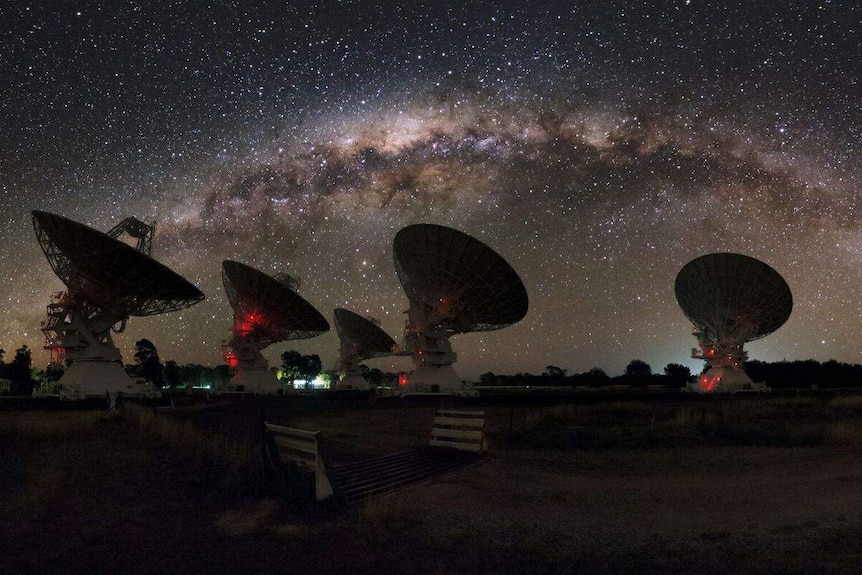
[141, 494]
[34, 424]
[852, 402]
[779, 422]
[226, 459]
[368, 432]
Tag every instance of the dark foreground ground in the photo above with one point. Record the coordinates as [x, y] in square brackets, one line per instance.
[83, 494]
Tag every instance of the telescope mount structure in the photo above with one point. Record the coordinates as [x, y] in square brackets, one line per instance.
[107, 282]
[731, 299]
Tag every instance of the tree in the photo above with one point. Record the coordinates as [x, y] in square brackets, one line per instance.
[297, 366]
[188, 375]
[597, 377]
[313, 366]
[291, 364]
[19, 372]
[148, 362]
[374, 377]
[598, 373]
[555, 372]
[219, 375]
[330, 376]
[172, 374]
[678, 374]
[638, 368]
[54, 371]
[638, 374]
[488, 379]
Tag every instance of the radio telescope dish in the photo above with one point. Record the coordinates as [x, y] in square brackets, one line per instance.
[107, 282]
[266, 310]
[109, 273]
[361, 338]
[731, 299]
[455, 284]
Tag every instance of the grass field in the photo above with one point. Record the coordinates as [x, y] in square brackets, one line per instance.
[756, 485]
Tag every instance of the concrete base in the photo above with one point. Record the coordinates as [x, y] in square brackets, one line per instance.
[258, 381]
[435, 379]
[725, 380]
[95, 378]
[353, 382]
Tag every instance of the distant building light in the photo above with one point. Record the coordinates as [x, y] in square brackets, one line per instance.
[316, 383]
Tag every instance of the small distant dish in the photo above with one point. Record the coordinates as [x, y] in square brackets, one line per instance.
[361, 338]
[731, 299]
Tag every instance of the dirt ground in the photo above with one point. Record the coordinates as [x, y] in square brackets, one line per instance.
[669, 511]
[99, 497]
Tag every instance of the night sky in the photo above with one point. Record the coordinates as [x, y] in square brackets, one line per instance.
[597, 146]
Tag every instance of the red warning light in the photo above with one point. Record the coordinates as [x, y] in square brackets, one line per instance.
[58, 355]
[249, 322]
[402, 379]
[709, 383]
[445, 304]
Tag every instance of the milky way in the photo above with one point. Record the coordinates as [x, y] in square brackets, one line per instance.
[597, 148]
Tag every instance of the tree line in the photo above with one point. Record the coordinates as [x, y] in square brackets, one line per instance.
[18, 371]
[805, 373]
[294, 367]
[297, 367]
[638, 373]
[777, 375]
[148, 365]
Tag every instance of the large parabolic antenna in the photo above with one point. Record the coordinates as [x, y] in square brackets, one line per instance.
[731, 299]
[107, 282]
[266, 309]
[361, 338]
[455, 284]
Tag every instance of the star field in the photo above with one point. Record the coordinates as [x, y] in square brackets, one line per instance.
[597, 146]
